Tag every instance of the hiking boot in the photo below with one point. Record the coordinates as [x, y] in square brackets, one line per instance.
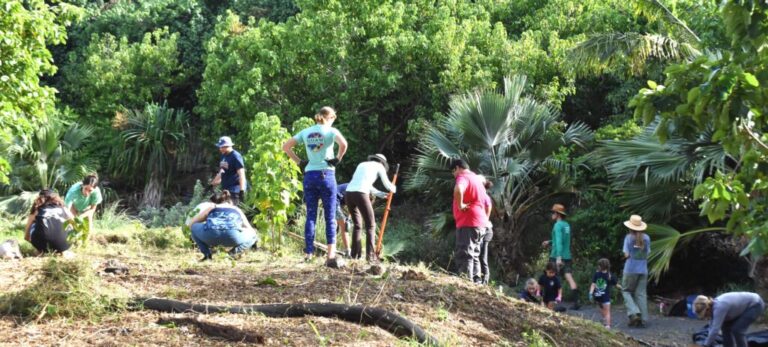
[641, 323]
[206, 258]
[635, 320]
[576, 300]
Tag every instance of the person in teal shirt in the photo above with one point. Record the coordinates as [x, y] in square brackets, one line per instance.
[83, 198]
[319, 177]
[561, 251]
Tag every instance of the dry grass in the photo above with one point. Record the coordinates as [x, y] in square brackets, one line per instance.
[453, 310]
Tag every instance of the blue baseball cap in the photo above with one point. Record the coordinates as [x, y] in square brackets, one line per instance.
[224, 141]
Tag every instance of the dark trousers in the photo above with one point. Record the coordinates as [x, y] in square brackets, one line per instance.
[735, 331]
[361, 210]
[467, 253]
[485, 272]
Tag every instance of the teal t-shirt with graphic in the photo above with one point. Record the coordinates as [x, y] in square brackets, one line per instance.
[81, 202]
[561, 240]
[318, 140]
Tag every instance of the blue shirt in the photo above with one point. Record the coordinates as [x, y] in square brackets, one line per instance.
[222, 220]
[318, 140]
[231, 162]
[637, 263]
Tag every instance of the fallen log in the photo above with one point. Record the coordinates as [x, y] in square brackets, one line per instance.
[389, 321]
[214, 329]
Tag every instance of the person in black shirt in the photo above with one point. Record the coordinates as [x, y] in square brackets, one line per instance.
[552, 291]
[600, 291]
[46, 224]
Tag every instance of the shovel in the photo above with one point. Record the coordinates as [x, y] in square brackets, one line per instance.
[386, 214]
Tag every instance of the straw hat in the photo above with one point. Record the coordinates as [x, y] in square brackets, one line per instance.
[559, 208]
[636, 223]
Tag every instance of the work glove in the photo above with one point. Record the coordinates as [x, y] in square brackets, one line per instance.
[381, 195]
[303, 164]
[241, 195]
[333, 162]
[591, 297]
[559, 299]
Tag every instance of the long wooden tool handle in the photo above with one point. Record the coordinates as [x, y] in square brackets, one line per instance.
[386, 213]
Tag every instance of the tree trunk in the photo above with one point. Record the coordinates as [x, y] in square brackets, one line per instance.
[153, 192]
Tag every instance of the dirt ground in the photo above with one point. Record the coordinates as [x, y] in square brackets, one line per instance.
[454, 311]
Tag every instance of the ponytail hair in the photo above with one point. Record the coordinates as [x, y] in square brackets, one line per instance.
[639, 238]
[324, 115]
[222, 197]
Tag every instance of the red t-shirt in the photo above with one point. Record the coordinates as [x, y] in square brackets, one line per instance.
[474, 195]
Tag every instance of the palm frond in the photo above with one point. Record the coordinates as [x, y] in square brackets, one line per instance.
[664, 241]
[606, 50]
[657, 11]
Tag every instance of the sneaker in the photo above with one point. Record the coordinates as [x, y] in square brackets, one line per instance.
[607, 327]
[206, 258]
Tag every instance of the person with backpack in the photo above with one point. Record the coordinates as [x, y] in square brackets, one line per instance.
[732, 313]
[222, 224]
[561, 251]
[319, 178]
[46, 224]
[637, 247]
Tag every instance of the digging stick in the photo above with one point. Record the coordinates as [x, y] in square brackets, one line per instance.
[386, 213]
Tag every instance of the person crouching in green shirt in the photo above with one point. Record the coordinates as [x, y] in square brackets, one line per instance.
[561, 250]
[83, 198]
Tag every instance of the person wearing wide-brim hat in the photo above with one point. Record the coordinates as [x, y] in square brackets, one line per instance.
[637, 247]
[357, 198]
[560, 254]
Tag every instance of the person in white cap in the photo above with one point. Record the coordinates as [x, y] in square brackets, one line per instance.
[358, 200]
[231, 173]
[637, 247]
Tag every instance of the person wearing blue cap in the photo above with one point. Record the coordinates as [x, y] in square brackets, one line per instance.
[231, 173]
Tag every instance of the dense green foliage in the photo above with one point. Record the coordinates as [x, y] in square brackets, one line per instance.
[273, 177]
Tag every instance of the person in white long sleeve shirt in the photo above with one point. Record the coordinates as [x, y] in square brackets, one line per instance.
[730, 312]
[357, 198]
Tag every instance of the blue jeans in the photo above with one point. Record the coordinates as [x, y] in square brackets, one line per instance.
[734, 331]
[239, 240]
[319, 185]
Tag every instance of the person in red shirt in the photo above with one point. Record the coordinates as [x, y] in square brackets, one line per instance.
[470, 215]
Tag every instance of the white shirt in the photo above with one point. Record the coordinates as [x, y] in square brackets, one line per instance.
[365, 175]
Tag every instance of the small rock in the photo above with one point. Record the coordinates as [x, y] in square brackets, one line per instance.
[398, 297]
[335, 263]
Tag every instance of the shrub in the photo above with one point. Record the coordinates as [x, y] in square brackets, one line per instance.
[175, 215]
[66, 288]
[164, 238]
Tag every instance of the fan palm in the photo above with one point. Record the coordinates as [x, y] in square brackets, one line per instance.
[654, 178]
[50, 157]
[510, 138]
[150, 140]
[605, 50]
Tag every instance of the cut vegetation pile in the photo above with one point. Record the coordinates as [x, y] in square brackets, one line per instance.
[63, 289]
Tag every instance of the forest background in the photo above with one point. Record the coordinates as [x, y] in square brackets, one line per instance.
[610, 107]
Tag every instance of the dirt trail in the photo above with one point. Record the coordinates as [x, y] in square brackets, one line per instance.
[661, 330]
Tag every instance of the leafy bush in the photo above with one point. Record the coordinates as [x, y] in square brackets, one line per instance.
[175, 215]
[81, 229]
[66, 289]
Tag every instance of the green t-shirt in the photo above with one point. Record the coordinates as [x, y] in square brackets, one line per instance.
[75, 197]
[561, 240]
[318, 140]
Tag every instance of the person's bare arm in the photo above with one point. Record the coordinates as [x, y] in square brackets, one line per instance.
[458, 195]
[27, 231]
[288, 149]
[241, 176]
[201, 216]
[342, 142]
